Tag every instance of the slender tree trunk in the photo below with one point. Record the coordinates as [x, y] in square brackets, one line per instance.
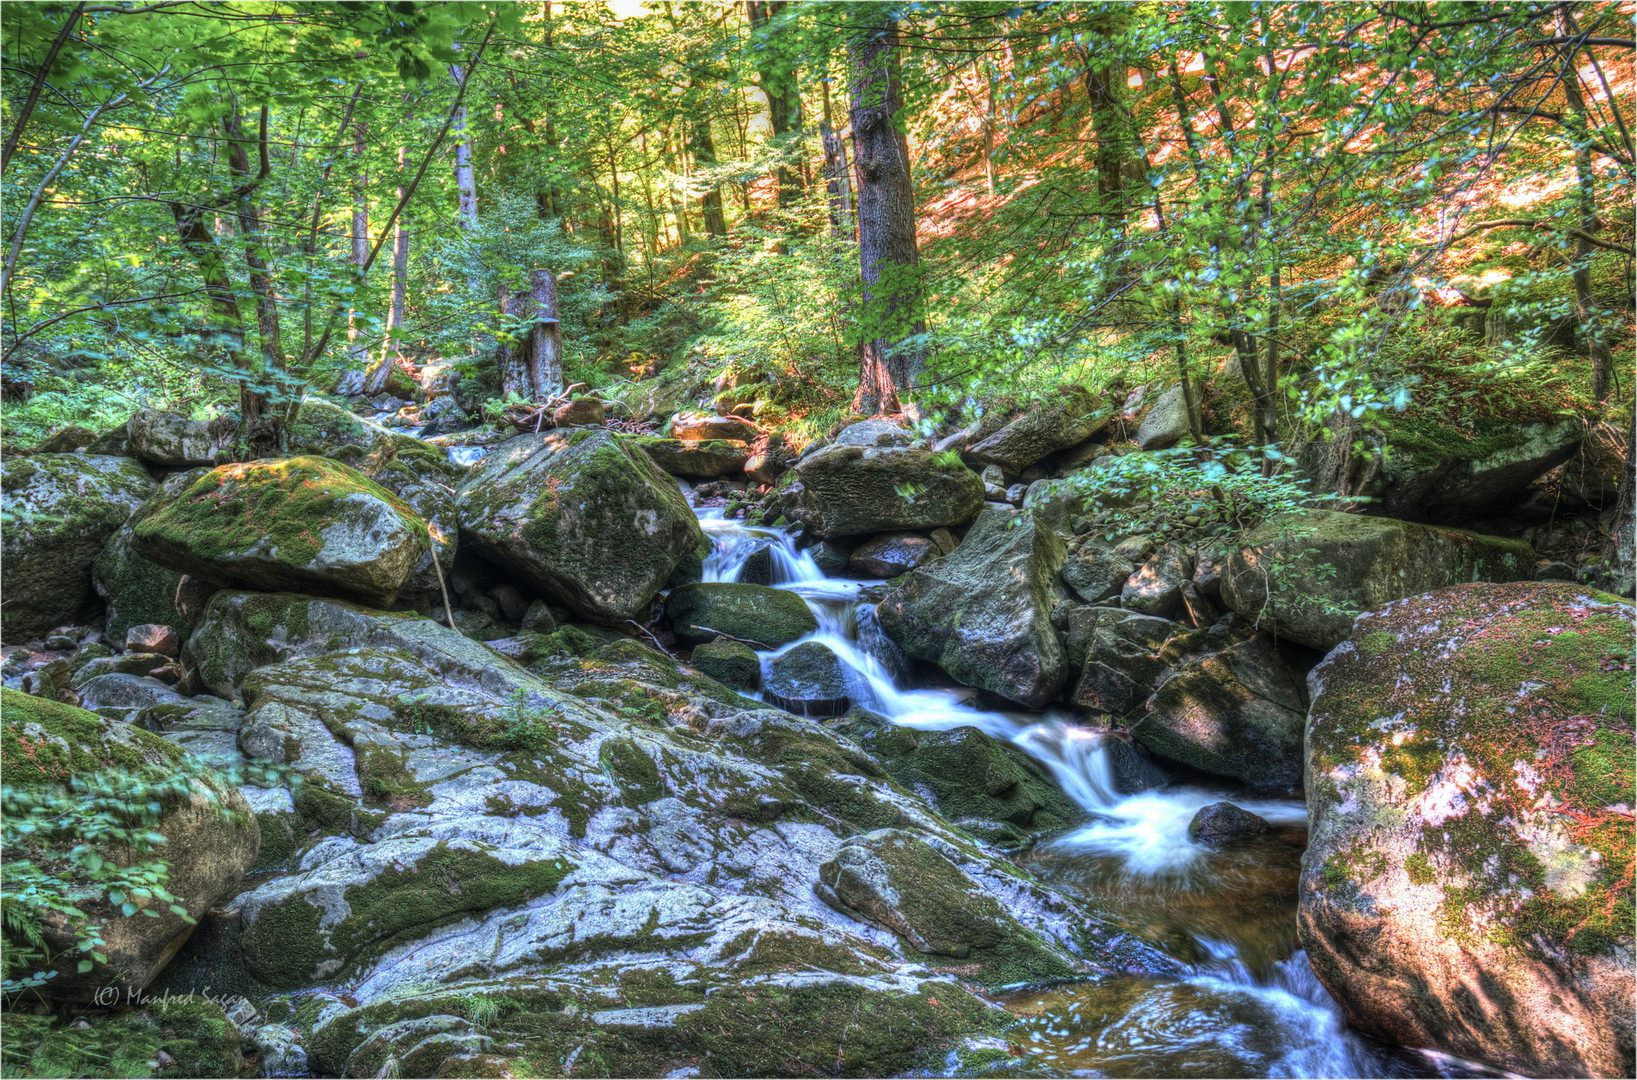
[465, 178]
[1586, 306]
[778, 81]
[889, 261]
[261, 429]
[991, 126]
[357, 348]
[838, 177]
[392, 342]
[543, 357]
[703, 148]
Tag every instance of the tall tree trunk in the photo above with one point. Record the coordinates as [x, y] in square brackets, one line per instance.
[888, 258]
[1586, 306]
[357, 348]
[261, 428]
[838, 178]
[543, 356]
[991, 125]
[778, 81]
[465, 178]
[392, 342]
[703, 148]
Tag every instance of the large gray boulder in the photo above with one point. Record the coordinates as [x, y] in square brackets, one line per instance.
[858, 491]
[1307, 575]
[701, 459]
[1071, 416]
[983, 612]
[1166, 422]
[582, 517]
[1126, 658]
[59, 510]
[742, 611]
[1467, 881]
[176, 441]
[1237, 712]
[1447, 477]
[306, 524]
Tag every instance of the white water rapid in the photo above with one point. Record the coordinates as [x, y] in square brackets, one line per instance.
[1251, 1007]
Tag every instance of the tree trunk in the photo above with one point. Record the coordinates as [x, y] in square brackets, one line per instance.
[1619, 573]
[703, 148]
[391, 343]
[261, 429]
[543, 349]
[838, 178]
[778, 81]
[888, 259]
[465, 178]
[1586, 306]
[357, 348]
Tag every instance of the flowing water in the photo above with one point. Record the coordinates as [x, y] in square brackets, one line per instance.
[1250, 1006]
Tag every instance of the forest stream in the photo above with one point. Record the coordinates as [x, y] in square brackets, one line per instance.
[1251, 1005]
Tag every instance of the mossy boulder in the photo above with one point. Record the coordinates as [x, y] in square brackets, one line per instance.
[177, 441]
[59, 511]
[898, 881]
[1307, 575]
[1072, 416]
[763, 616]
[138, 590]
[211, 839]
[1438, 473]
[701, 460]
[730, 663]
[305, 524]
[306, 927]
[582, 517]
[858, 491]
[1467, 883]
[983, 612]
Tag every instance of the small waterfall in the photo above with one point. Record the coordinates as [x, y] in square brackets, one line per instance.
[1283, 1022]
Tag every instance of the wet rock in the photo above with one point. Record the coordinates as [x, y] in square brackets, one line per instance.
[754, 614]
[896, 880]
[1238, 713]
[1124, 661]
[890, 555]
[1466, 884]
[281, 1051]
[1071, 416]
[730, 663]
[1222, 823]
[1307, 575]
[304, 523]
[61, 509]
[808, 680]
[832, 557]
[1156, 586]
[582, 517]
[983, 614]
[211, 839]
[860, 491]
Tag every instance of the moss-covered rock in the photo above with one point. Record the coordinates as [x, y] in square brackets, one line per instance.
[730, 663]
[1435, 472]
[809, 680]
[305, 523]
[139, 590]
[210, 837]
[703, 459]
[757, 614]
[59, 511]
[1468, 880]
[583, 517]
[983, 613]
[859, 491]
[897, 880]
[1306, 576]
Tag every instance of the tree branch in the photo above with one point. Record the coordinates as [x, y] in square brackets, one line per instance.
[1539, 226]
[34, 91]
[37, 327]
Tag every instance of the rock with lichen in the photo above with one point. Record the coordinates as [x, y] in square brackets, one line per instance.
[581, 516]
[305, 523]
[59, 510]
[1467, 884]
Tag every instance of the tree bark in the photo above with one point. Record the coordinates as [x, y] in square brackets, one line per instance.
[357, 348]
[543, 355]
[838, 178]
[1586, 306]
[889, 261]
[703, 148]
[391, 342]
[778, 81]
[465, 178]
[260, 429]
